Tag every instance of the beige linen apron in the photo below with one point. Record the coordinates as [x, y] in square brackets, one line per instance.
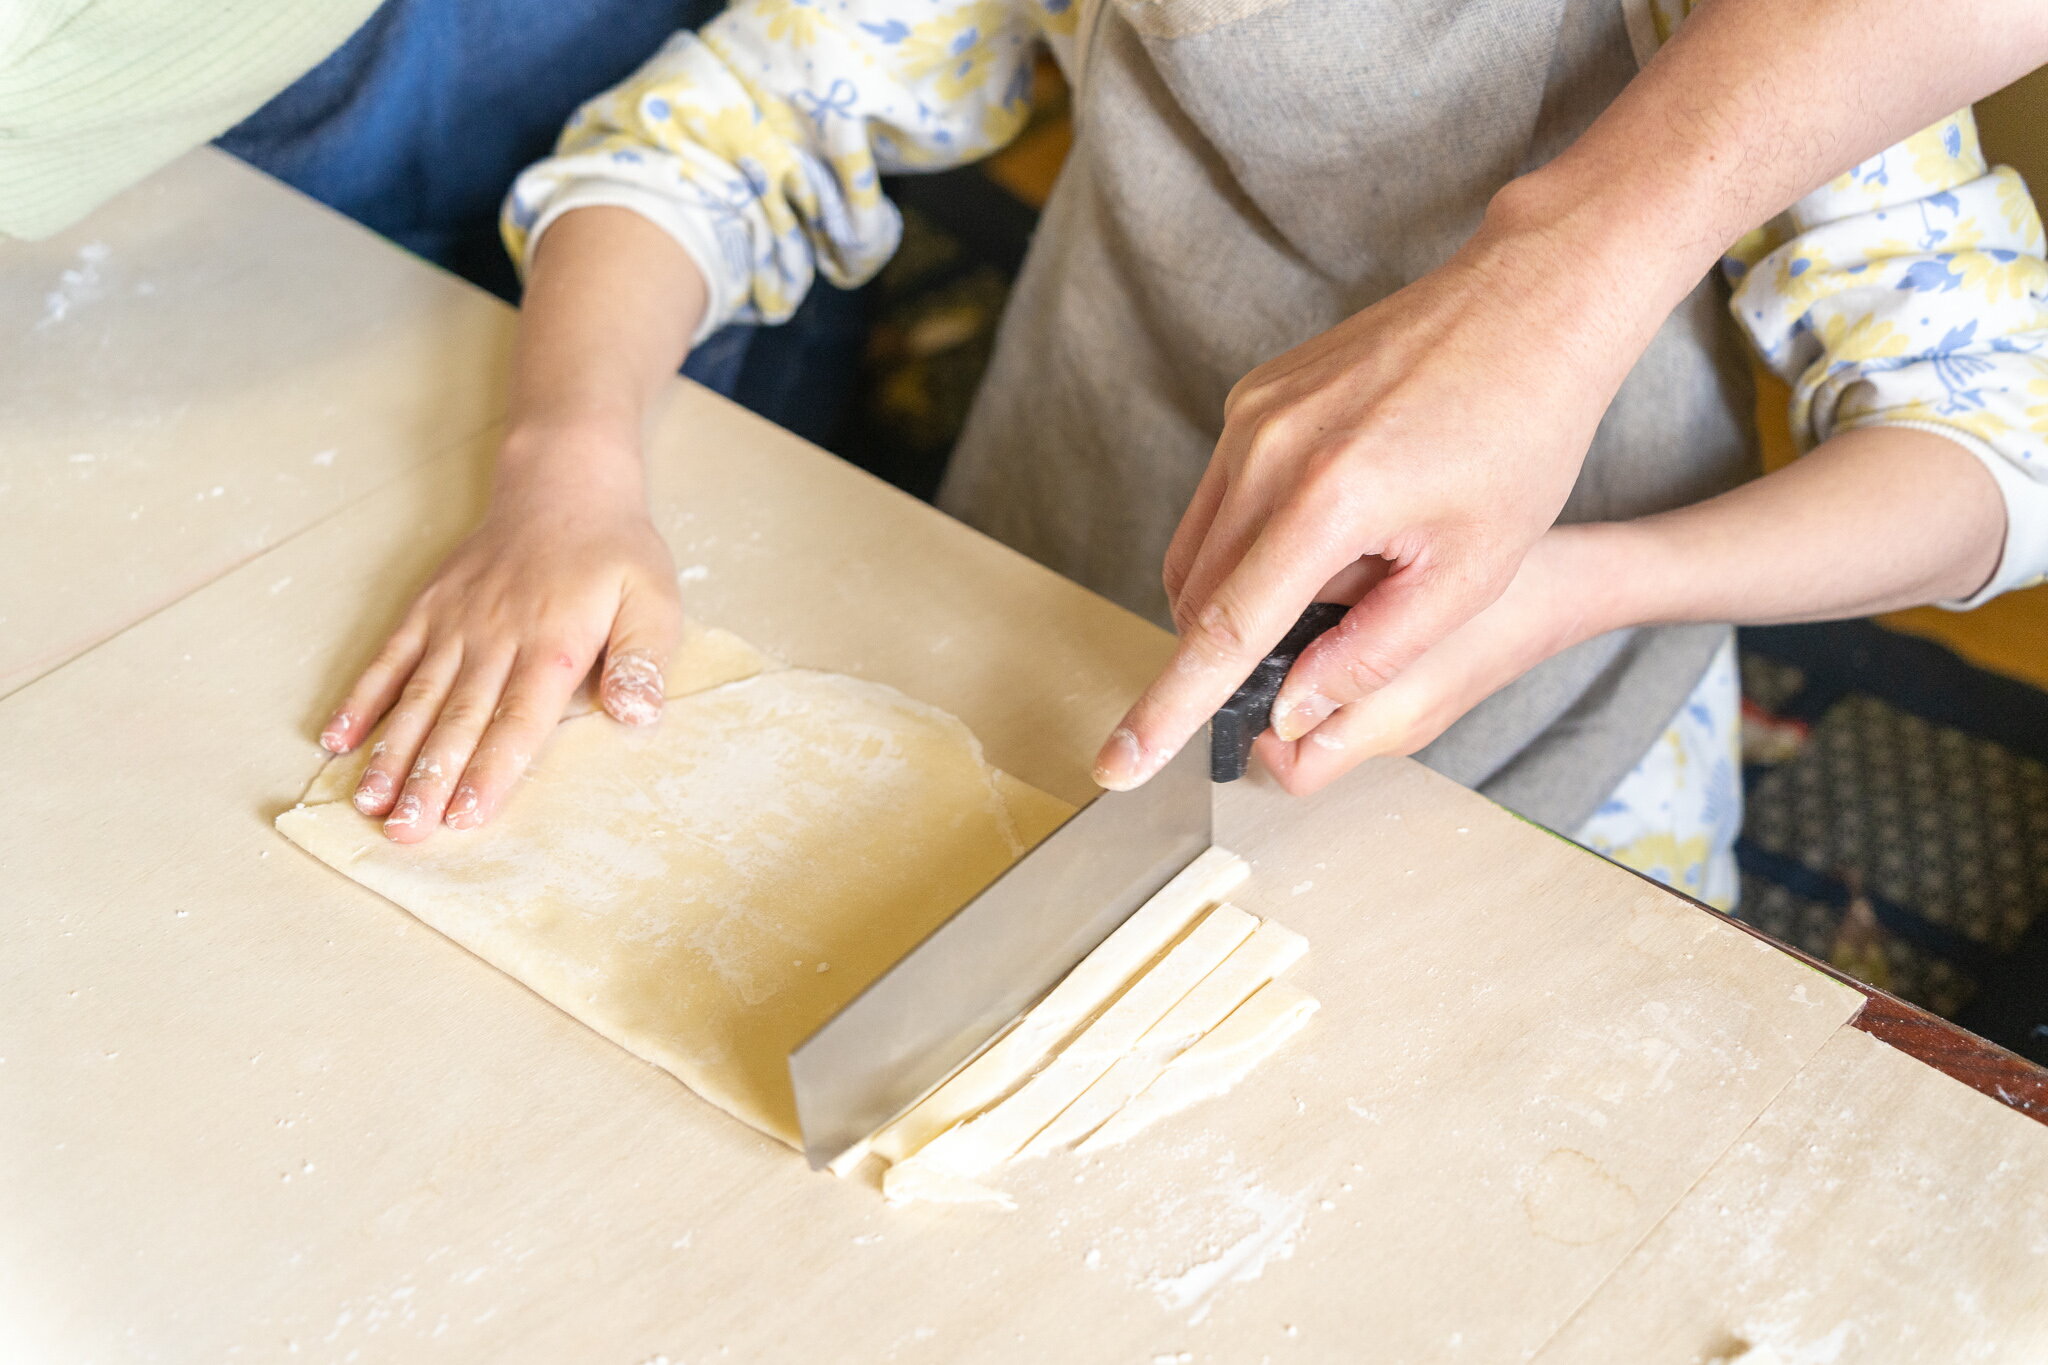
[1246, 174]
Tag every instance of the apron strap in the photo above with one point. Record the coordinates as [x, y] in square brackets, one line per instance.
[1087, 17]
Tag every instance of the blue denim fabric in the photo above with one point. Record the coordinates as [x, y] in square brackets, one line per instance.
[417, 125]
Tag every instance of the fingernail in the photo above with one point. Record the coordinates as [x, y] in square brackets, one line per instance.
[375, 787]
[462, 810]
[1124, 763]
[1294, 717]
[406, 814]
[1118, 760]
[631, 689]
[334, 739]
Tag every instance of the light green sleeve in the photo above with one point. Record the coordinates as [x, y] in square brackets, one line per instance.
[96, 94]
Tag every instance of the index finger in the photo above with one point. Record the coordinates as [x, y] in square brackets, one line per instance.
[1298, 551]
[526, 715]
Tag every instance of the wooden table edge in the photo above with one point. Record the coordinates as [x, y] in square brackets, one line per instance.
[1977, 1062]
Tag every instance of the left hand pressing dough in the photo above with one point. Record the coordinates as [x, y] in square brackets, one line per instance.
[708, 891]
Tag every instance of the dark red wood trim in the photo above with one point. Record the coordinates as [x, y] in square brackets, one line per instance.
[1977, 1062]
[1982, 1065]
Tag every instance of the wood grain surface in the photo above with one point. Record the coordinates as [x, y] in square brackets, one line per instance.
[1838, 1229]
[1977, 1062]
[203, 368]
[319, 1123]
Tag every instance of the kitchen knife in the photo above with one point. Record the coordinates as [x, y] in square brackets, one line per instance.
[952, 994]
[946, 999]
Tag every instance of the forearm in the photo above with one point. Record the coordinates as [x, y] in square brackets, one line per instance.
[1872, 520]
[611, 304]
[1751, 104]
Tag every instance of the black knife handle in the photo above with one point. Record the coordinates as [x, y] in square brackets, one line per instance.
[1250, 709]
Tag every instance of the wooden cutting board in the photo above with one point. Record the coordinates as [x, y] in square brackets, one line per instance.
[310, 1115]
[250, 1109]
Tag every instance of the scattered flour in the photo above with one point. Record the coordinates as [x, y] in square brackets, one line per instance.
[1276, 1224]
[82, 284]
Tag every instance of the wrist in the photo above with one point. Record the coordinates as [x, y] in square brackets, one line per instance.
[1614, 576]
[573, 466]
[1630, 238]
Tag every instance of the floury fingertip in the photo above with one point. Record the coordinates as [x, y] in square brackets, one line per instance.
[1125, 763]
[462, 813]
[334, 739]
[374, 789]
[406, 814]
[1117, 761]
[1294, 717]
[631, 690]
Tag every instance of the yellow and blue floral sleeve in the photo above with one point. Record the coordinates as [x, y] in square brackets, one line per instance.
[1911, 291]
[758, 142]
[1676, 815]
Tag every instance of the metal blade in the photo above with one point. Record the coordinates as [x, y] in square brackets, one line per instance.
[941, 1004]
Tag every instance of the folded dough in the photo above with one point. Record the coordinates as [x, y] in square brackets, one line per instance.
[1037, 1037]
[1270, 950]
[1254, 1031]
[1175, 1007]
[706, 892]
[980, 1144]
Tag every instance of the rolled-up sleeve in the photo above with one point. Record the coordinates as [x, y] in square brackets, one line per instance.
[758, 143]
[1911, 291]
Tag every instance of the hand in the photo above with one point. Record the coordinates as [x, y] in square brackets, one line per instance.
[1562, 594]
[1871, 520]
[1426, 442]
[478, 673]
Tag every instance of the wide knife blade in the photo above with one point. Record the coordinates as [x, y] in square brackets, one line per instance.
[947, 998]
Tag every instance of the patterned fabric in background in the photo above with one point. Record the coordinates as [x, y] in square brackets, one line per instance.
[415, 125]
[760, 141]
[1897, 822]
[1675, 816]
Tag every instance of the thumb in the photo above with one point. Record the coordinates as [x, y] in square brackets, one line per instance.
[643, 636]
[1397, 621]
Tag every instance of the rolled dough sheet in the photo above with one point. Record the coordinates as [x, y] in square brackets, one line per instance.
[992, 1137]
[707, 891]
[1212, 1067]
[1271, 950]
[1079, 996]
